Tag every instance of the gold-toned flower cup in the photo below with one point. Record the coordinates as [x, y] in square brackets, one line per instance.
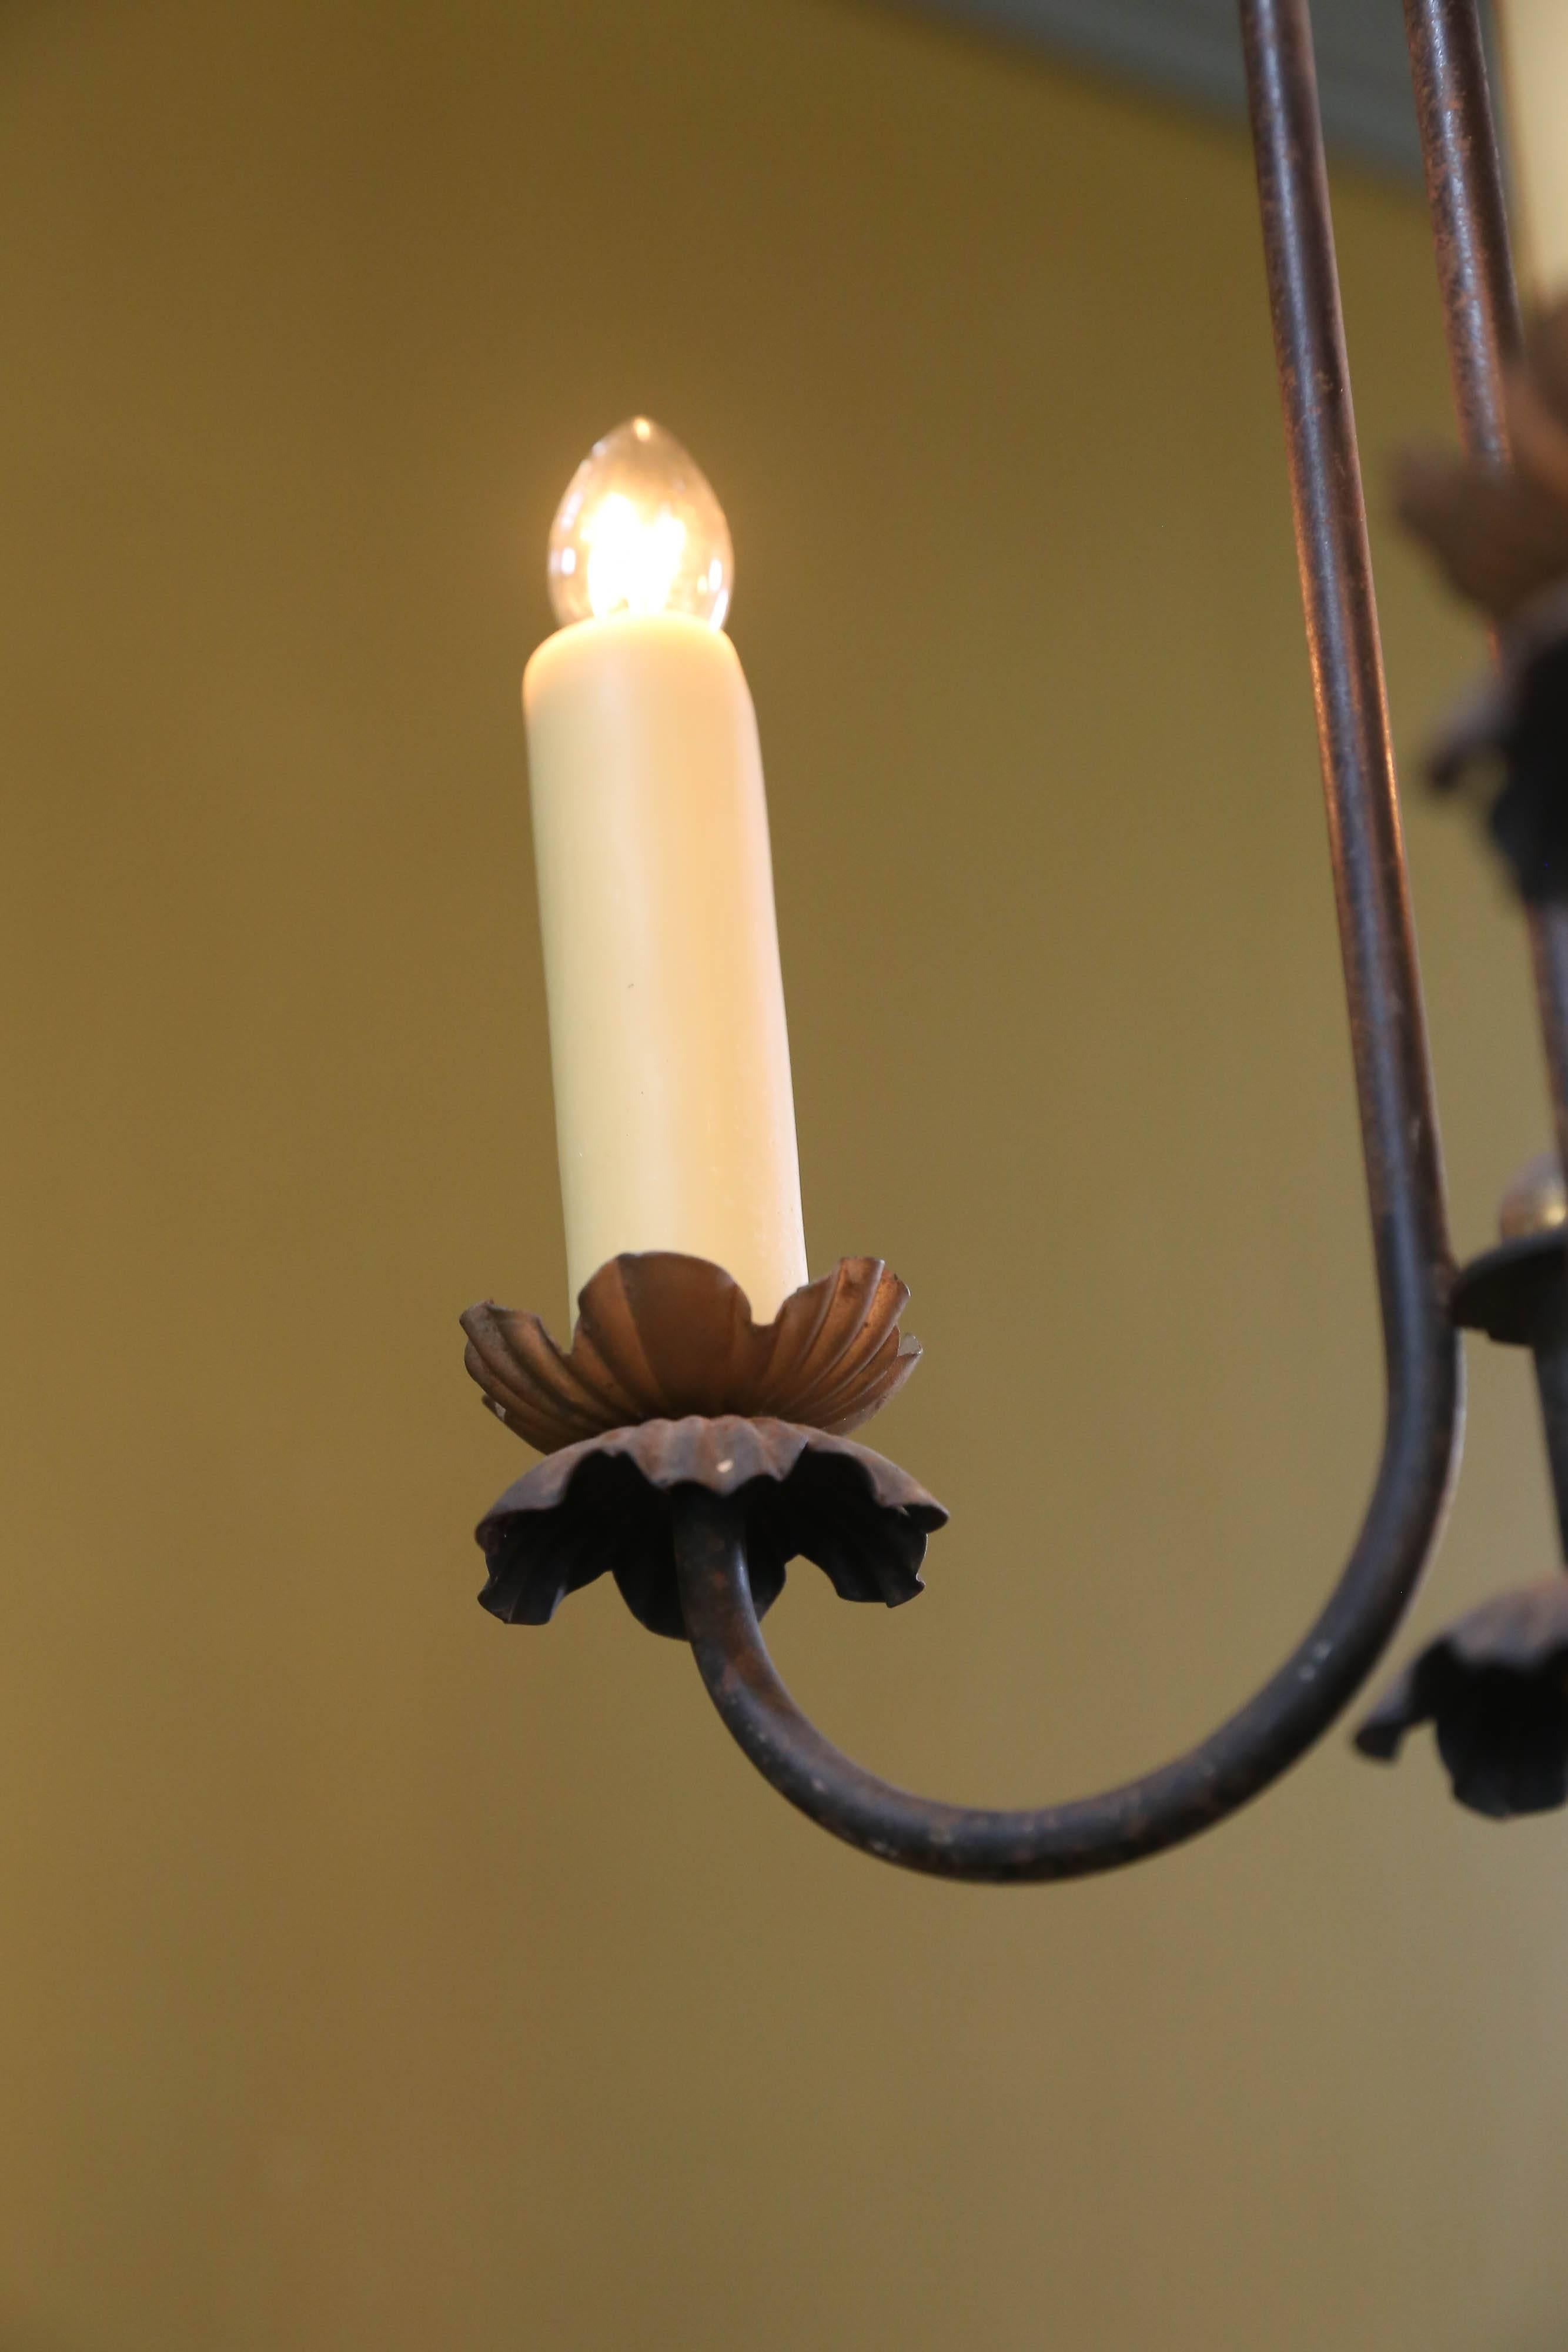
[660, 1336]
[670, 1383]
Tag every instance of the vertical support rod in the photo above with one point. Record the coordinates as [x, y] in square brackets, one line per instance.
[1549, 960]
[1549, 1348]
[1376, 933]
[1469, 204]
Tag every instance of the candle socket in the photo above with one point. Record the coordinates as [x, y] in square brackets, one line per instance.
[668, 1383]
[1495, 1686]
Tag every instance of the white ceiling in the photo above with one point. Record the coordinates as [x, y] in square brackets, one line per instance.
[1193, 48]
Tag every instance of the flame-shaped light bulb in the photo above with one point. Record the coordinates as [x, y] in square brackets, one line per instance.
[640, 531]
[668, 1040]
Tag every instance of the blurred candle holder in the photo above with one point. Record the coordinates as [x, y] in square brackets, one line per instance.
[691, 1447]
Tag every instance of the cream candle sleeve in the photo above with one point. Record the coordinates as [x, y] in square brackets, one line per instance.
[674, 1118]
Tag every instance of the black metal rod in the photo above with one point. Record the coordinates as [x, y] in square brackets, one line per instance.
[1548, 926]
[1517, 1293]
[1469, 204]
[1550, 1348]
[1398, 1139]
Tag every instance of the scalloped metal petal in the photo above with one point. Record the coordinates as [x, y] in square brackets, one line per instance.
[872, 1391]
[660, 1336]
[684, 1325]
[602, 1506]
[526, 1366]
[866, 1303]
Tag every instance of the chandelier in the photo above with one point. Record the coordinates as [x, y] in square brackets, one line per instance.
[695, 1434]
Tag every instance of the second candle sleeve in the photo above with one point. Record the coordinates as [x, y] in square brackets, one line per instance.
[675, 1120]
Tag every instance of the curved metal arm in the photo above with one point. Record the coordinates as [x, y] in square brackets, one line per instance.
[1399, 1144]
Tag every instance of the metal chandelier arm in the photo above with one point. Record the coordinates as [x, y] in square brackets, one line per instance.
[1469, 205]
[1399, 1144]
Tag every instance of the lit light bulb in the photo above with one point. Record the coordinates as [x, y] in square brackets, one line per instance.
[640, 531]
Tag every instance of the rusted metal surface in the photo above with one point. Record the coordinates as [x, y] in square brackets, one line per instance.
[1399, 1144]
[1550, 1350]
[1496, 514]
[1498, 529]
[1469, 204]
[660, 1336]
[1512, 394]
[1549, 963]
[1518, 1295]
[606, 1505]
[1500, 1292]
[1509, 744]
[1495, 1688]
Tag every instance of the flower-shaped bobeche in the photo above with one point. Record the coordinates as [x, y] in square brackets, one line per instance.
[669, 1382]
[1500, 535]
[660, 1335]
[1495, 1688]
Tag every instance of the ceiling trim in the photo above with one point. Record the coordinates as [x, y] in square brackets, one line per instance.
[1192, 49]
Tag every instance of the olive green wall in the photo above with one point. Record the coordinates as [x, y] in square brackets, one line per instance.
[374, 1977]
